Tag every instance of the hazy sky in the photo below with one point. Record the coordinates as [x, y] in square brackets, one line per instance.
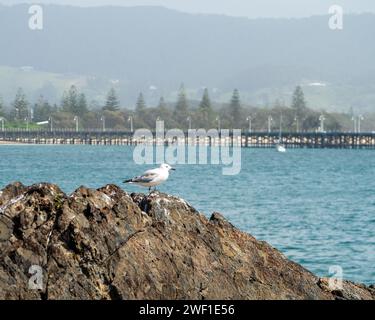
[249, 8]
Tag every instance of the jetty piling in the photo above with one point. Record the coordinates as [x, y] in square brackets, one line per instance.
[315, 140]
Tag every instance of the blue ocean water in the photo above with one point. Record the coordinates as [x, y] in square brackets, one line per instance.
[316, 206]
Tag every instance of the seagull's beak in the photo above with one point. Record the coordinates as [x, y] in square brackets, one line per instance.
[173, 169]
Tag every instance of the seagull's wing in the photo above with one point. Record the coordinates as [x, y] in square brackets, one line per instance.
[148, 176]
[151, 172]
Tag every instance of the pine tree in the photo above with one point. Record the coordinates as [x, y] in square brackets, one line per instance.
[161, 110]
[2, 108]
[205, 110]
[20, 105]
[74, 102]
[81, 105]
[165, 113]
[140, 114]
[65, 102]
[181, 111]
[235, 108]
[298, 102]
[162, 107]
[112, 103]
[70, 100]
[42, 110]
[73, 99]
[140, 106]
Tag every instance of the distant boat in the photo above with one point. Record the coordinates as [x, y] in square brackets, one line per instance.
[279, 146]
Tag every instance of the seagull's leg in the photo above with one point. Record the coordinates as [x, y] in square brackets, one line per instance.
[144, 203]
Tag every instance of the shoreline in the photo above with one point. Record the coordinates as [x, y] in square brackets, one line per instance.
[11, 143]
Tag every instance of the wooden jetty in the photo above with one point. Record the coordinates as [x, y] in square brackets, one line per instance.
[336, 140]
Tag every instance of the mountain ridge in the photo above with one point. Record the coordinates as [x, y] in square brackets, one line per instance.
[145, 47]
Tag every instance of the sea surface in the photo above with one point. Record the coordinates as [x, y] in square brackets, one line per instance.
[316, 206]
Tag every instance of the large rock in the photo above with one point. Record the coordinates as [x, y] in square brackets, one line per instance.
[107, 244]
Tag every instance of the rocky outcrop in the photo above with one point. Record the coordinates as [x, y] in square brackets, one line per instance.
[107, 244]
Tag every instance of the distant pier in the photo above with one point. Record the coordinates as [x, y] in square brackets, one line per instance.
[333, 140]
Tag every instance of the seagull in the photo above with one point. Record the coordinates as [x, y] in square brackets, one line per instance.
[152, 178]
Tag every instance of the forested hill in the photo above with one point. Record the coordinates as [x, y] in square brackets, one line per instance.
[158, 47]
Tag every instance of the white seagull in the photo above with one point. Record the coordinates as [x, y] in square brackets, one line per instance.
[152, 178]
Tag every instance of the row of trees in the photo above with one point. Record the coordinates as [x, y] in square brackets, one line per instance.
[182, 114]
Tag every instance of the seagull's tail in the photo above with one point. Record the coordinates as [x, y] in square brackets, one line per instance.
[128, 181]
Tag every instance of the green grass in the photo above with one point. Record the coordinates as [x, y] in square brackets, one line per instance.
[32, 81]
[21, 125]
[332, 97]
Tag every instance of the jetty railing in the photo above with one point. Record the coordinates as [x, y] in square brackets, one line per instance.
[337, 140]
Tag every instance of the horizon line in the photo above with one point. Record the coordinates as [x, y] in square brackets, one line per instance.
[198, 13]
